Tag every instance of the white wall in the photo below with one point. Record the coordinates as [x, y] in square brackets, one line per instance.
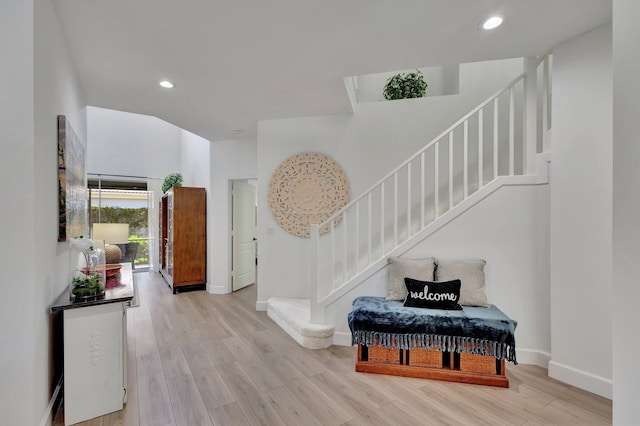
[17, 320]
[510, 230]
[367, 145]
[30, 37]
[195, 152]
[230, 159]
[123, 143]
[57, 91]
[581, 212]
[626, 205]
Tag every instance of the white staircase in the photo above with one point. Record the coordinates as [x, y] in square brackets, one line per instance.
[294, 316]
[503, 141]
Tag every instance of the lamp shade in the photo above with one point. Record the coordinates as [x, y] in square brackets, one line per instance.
[111, 233]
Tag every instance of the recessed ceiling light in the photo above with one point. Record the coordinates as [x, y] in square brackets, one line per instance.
[491, 23]
[166, 84]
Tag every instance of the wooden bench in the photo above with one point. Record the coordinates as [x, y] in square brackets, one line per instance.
[468, 346]
[432, 364]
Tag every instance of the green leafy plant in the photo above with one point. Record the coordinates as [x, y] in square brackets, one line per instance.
[405, 85]
[173, 179]
[90, 285]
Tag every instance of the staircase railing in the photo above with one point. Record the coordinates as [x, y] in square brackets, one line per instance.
[500, 137]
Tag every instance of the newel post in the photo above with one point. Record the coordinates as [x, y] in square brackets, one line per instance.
[317, 312]
[530, 115]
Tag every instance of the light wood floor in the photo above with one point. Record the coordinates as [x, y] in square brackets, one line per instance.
[201, 359]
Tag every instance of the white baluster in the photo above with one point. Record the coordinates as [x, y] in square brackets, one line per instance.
[545, 105]
[357, 238]
[530, 121]
[332, 228]
[346, 238]
[314, 272]
[512, 153]
[436, 180]
[465, 160]
[422, 189]
[408, 200]
[370, 236]
[382, 251]
[496, 110]
[480, 148]
[395, 210]
[450, 170]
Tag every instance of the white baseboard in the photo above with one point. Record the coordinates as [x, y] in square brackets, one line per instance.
[216, 289]
[47, 419]
[581, 379]
[341, 338]
[533, 357]
[261, 306]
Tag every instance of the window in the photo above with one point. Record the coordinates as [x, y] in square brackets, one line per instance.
[119, 202]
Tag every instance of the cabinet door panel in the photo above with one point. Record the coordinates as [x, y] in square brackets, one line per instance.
[93, 361]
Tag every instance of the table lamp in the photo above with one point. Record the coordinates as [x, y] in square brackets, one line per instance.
[112, 234]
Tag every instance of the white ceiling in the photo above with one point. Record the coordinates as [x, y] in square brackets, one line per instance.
[235, 62]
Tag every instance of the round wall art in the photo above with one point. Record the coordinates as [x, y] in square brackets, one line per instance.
[306, 189]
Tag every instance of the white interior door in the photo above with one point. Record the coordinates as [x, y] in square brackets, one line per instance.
[243, 231]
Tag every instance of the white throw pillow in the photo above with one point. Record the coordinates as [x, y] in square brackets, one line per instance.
[399, 269]
[471, 273]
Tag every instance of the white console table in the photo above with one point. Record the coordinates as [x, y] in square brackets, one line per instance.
[95, 350]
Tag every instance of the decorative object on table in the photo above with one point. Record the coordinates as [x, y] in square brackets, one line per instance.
[115, 236]
[173, 179]
[405, 85]
[87, 268]
[113, 254]
[72, 183]
[306, 189]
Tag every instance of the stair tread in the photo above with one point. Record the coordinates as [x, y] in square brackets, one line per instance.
[297, 313]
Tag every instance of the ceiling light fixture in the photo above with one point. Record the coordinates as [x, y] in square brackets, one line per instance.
[166, 84]
[492, 22]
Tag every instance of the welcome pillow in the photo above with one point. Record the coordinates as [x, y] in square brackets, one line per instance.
[432, 295]
[399, 269]
[471, 275]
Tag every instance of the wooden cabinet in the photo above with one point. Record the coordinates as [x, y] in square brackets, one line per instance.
[183, 237]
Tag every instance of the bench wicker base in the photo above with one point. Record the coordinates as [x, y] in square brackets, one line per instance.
[432, 364]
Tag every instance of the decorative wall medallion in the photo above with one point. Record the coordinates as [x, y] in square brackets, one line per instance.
[306, 189]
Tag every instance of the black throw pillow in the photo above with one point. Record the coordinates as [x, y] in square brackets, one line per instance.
[432, 295]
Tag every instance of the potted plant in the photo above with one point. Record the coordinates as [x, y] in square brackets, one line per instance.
[173, 179]
[405, 85]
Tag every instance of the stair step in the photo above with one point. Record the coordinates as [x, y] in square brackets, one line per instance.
[294, 317]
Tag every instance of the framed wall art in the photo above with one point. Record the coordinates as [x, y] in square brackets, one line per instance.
[72, 184]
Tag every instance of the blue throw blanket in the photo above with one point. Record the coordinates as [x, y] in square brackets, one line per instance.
[476, 330]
